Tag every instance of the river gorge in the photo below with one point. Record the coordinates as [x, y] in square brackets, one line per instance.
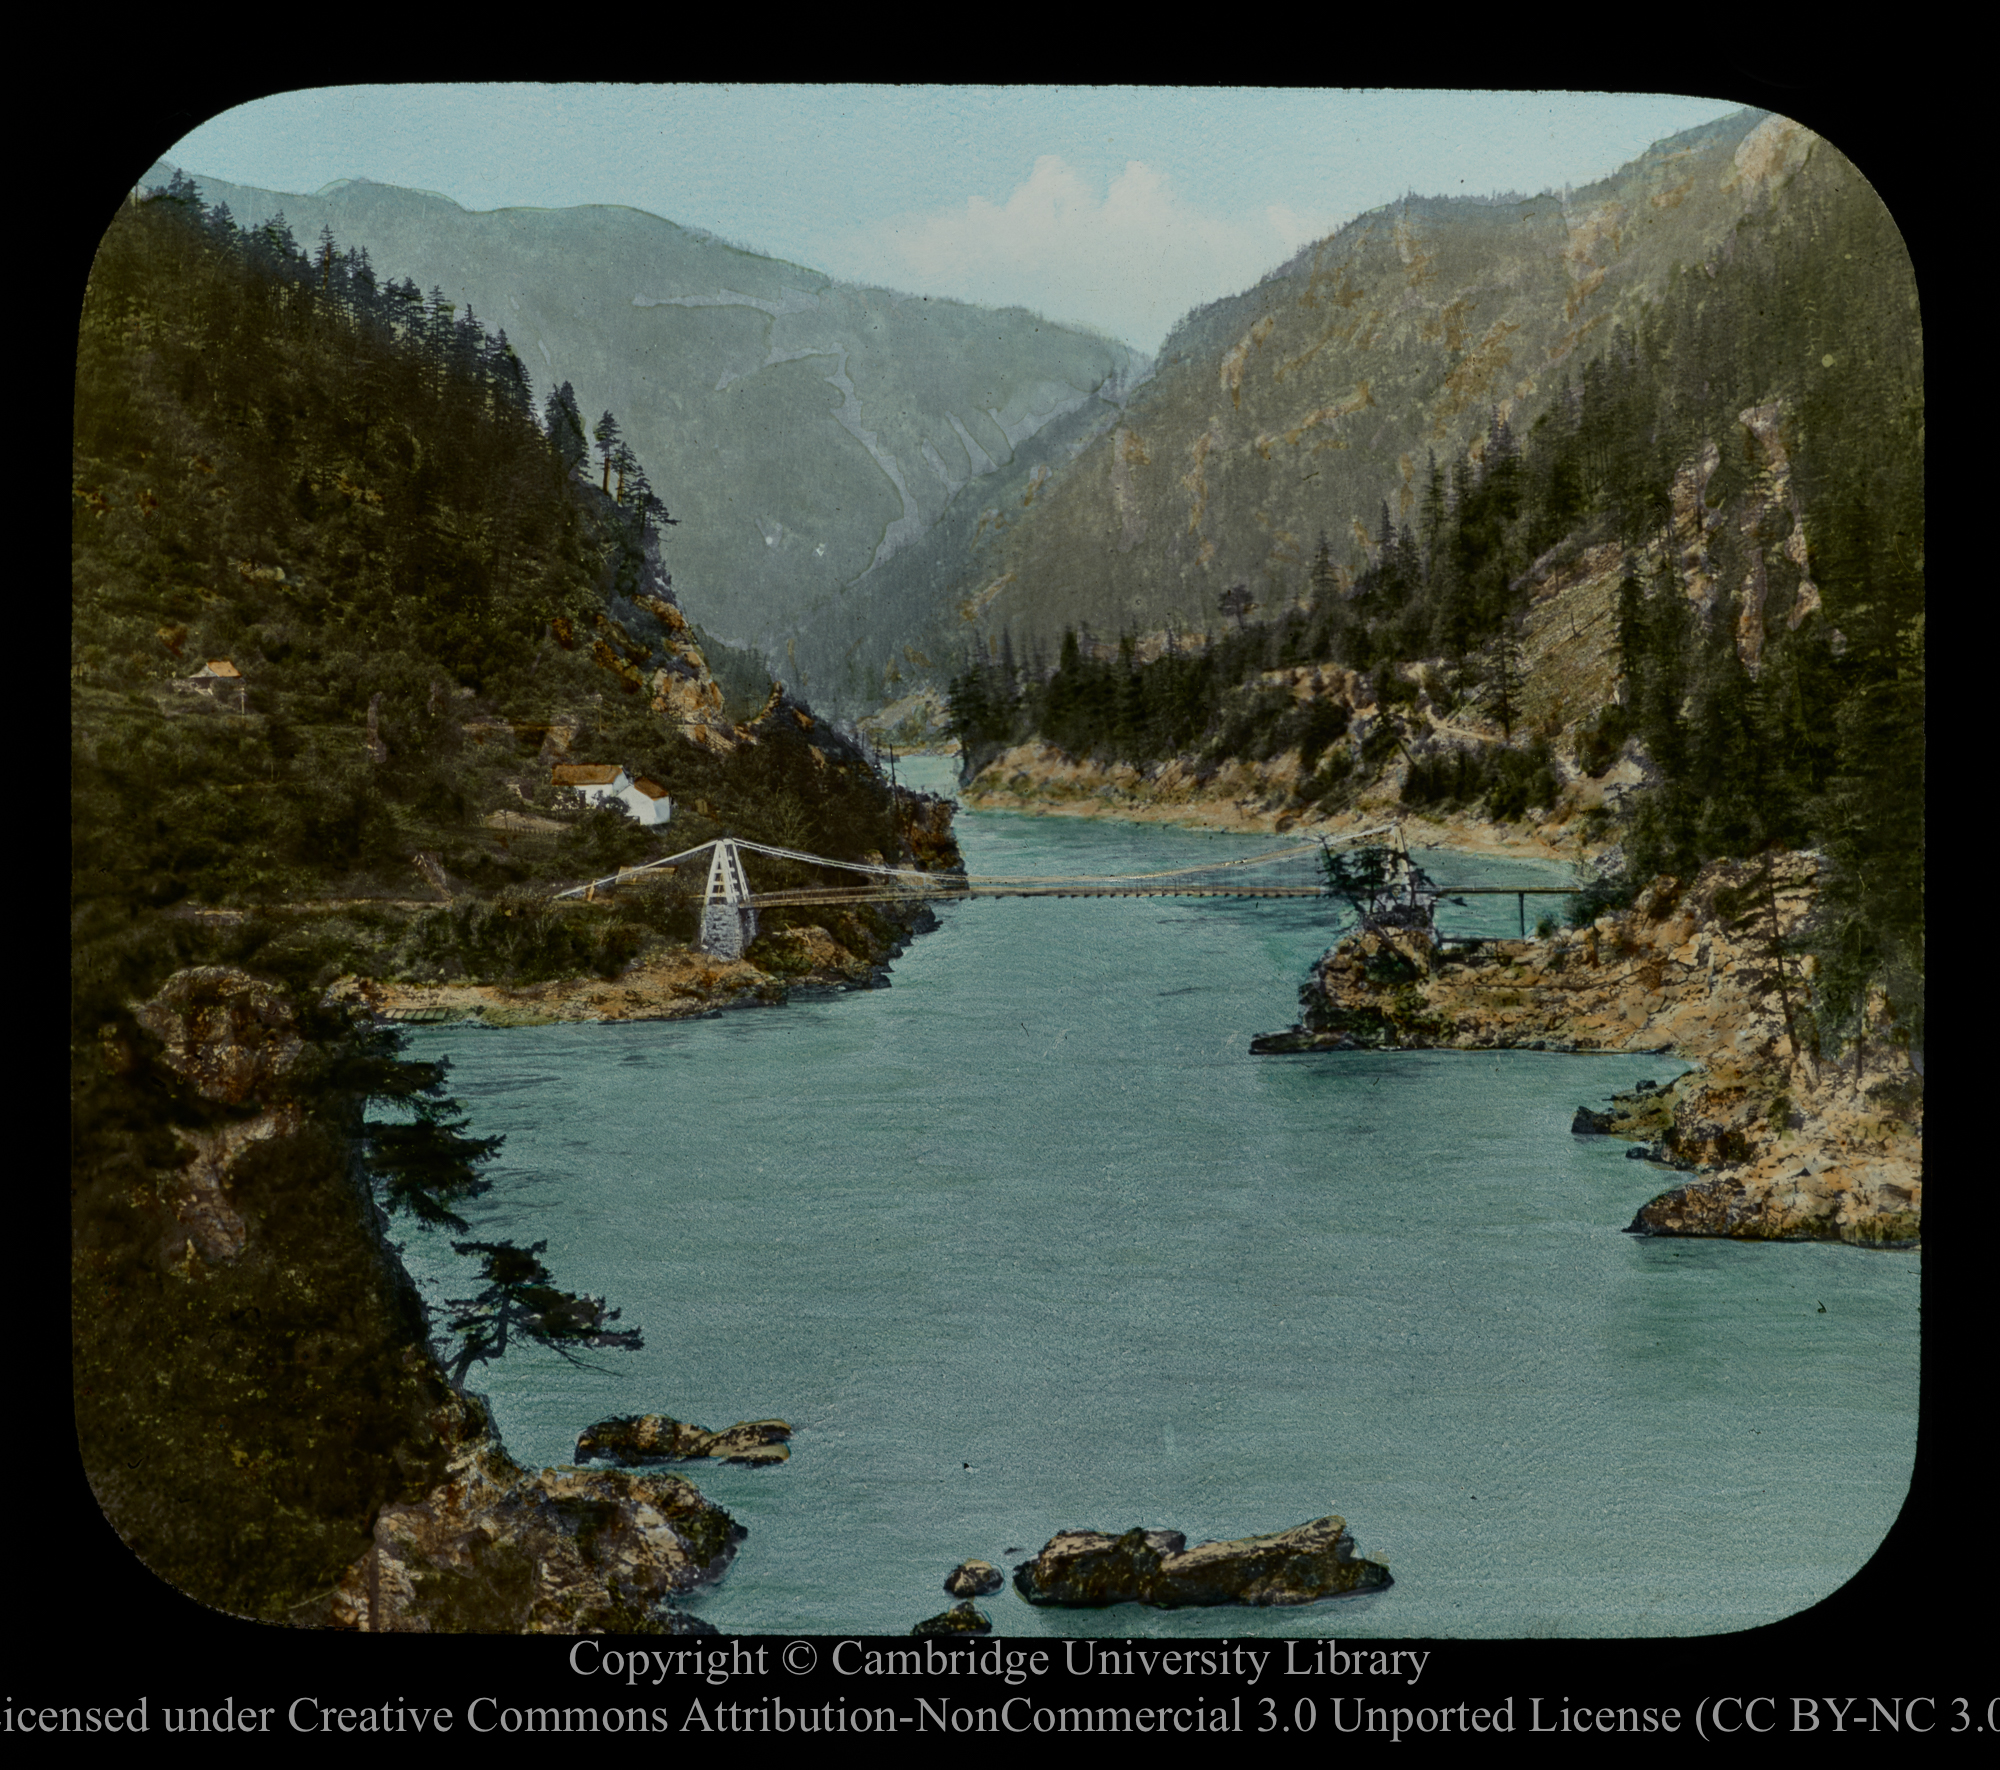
[1030, 1241]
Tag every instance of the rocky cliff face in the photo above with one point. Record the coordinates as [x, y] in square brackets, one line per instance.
[1788, 1148]
[250, 1374]
[234, 1040]
[258, 1410]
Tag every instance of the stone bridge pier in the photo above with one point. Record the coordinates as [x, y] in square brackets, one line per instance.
[728, 919]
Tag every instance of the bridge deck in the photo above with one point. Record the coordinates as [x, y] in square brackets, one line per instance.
[957, 894]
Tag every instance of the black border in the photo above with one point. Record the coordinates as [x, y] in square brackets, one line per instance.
[97, 1626]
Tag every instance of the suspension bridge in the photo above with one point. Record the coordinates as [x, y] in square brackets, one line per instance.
[729, 905]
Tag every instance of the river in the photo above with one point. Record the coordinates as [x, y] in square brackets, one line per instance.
[1029, 1241]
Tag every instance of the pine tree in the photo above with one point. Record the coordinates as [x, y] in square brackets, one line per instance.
[509, 376]
[1325, 578]
[1631, 620]
[428, 1165]
[564, 424]
[518, 1299]
[1506, 678]
[1433, 516]
[623, 466]
[606, 435]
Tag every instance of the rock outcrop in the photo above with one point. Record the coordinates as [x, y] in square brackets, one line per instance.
[497, 1549]
[232, 1036]
[974, 1579]
[1790, 1147]
[234, 1039]
[1870, 1203]
[1088, 1569]
[924, 822]
[654, 1438]
[960, 1619]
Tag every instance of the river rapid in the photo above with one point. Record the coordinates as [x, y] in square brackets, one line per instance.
[1029, 1241]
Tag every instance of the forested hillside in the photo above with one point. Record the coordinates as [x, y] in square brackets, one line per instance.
[844, 444]
[341, 595]
[1693, 536]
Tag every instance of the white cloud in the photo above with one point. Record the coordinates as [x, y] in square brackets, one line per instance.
[1129, 262]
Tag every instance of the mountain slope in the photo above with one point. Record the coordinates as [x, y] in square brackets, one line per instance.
[1300, 406]
[811, 429]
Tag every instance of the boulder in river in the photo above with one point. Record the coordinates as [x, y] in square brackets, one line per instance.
[960, 1619]
[1092, 1568]
[974, 1579]
[1590, 1124]
[654, 1438]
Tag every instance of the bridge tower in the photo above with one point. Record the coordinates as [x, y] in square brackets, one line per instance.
[728, 921]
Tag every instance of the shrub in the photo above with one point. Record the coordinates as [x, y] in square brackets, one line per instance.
[1525, 778]
[1598, 898]
[1323, 722]
[1598, 743]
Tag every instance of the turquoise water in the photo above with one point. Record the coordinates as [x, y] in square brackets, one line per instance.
[1029, 1241]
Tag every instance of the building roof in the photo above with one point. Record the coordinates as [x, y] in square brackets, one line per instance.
[220, 667]
[585, 774]
[651, 788]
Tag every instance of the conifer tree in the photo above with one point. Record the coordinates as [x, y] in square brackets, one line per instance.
[564, 424]
[1631, 619]
[518, 1299]
[1324, 578]
[608, 439]
[1433, 514]
[1506, 678]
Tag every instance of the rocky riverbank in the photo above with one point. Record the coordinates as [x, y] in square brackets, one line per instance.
[498, 1549]
[1787, 1145]
[845, 947]
[676, 983]
[1257, 798]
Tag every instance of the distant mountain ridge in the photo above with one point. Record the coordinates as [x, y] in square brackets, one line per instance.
[808, 432]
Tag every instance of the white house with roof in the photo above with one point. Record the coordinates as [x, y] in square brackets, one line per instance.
[212, 678]
[598, 782]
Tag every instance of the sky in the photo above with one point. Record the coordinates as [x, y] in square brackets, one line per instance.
[1115, 208]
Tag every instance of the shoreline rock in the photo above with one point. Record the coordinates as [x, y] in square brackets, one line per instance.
[631, 1439]
[1787, 1147]
[497, 1549]
[1089, 1569]
[1875, 1210]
